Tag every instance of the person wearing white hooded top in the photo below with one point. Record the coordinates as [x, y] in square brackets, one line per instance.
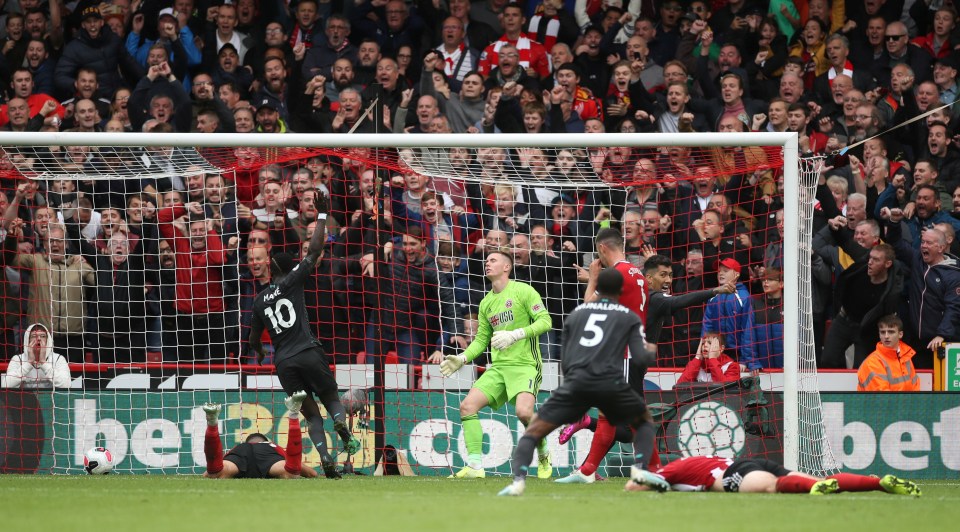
[38, 366]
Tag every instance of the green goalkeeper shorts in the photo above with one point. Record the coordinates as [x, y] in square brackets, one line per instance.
[501, 384]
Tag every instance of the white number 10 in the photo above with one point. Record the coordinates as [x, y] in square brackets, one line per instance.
[594, 329]
[276, 315]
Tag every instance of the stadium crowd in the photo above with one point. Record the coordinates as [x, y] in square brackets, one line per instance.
[115, 269]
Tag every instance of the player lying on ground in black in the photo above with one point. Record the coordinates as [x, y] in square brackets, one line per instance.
[257, 457]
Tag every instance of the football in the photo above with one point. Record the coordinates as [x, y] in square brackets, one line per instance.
[98, 461]
[711, 428]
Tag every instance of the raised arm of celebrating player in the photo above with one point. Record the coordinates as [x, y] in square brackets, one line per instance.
[320, 233]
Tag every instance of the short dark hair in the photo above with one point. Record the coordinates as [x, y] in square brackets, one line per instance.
[415, 232]
[610, 237]
[933, 165]
[260, 438]
[888, 252]
[572, 67]
[427, 196]
[931, 188]
[282, 263]
[445, 248]
[890, 320]
[513, 5]
[610, 282]
[799, 107]
[655, 262]
[232, 85]
[794, 60]
[824, 29]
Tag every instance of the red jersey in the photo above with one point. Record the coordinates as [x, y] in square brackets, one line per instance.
[694, 473]
[634, 295]
[532, 54]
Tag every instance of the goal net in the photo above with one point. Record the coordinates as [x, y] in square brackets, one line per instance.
[141, 255]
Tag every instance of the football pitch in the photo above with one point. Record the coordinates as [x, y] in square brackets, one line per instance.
[180, 503]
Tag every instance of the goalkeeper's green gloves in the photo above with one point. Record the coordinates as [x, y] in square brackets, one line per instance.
[452, 363]
[504, 339]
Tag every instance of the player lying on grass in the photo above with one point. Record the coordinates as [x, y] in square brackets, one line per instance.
[596, 335]
[758, 475]
[512, 317]
[298, 356]
[257, 457]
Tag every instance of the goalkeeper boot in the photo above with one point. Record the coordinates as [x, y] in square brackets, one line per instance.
[825, 487]
[899, 486]
[294, 401]
[544, 466]
[568, 431]
[647, 478]
[330, 471]
[515, 489]
[469, 472]
[577, 478]
[212, 410]
[351, 446]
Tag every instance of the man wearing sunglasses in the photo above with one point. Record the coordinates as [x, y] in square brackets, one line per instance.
[899, 51]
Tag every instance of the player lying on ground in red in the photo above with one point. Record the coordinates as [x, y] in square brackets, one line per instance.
[257, 457]
[758, 475]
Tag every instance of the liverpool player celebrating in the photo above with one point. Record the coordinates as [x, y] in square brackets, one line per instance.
[758, 475]
[512, 311]
[595, 336]
[299, 358]
[257, 457]
[610, 249]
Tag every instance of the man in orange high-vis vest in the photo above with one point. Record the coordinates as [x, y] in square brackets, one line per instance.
[889, 368]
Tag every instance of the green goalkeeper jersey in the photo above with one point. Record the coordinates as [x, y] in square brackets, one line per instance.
[517, 306]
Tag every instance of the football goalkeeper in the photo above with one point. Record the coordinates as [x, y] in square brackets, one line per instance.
[512, 317]
[257, 457]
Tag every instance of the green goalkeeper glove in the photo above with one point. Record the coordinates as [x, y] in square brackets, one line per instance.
[452, 363]
[504, 339]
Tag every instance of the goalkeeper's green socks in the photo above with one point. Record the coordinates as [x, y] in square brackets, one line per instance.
[473, 437]
[542, 448]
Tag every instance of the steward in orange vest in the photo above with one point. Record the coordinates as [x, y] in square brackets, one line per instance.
[889, 368]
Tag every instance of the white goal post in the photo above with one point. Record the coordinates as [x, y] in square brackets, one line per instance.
[799, 376]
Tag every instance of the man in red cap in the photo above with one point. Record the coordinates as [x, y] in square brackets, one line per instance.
[732, 316]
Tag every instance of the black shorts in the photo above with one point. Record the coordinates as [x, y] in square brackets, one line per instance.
[254, 460]
[567, 404]
[309, 371]
[739, 469]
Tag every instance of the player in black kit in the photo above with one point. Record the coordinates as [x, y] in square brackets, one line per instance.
[596, 334]
[298, 356]
[257, 456]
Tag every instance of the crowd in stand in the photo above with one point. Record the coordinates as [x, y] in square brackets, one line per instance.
[183, 255]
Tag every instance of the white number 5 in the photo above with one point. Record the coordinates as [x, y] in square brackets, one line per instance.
[592, 327]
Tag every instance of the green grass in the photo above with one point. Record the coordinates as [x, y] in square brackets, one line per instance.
[177, 504]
